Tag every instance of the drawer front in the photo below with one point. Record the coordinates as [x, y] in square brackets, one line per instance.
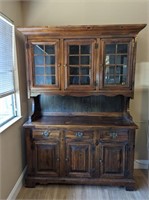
[79, 134]
[45, 134]
[119, 135]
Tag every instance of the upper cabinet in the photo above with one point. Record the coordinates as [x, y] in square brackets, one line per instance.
[81, 60]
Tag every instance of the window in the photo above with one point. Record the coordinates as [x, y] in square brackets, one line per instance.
[8, 108]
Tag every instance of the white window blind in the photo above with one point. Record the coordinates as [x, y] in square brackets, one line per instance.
[8, 109]
[6, 57]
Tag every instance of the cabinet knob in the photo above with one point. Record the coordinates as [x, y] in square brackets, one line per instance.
[79, 134]
[46, 133]
[113, 135]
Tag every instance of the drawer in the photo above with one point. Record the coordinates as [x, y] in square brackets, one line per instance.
[119, 135]
[79, 134]
[45, 133]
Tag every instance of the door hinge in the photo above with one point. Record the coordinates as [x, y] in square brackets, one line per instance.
[96, 45]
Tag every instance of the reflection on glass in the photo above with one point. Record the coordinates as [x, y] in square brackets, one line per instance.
[116, 64]
[44, 63]
[49, 60]
[49, 70]
[39, 60]
[38, 49]
[39, 70]
[49, 80]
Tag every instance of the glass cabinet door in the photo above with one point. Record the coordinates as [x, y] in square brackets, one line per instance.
[116, 63]
[45, 72]
[79, 64]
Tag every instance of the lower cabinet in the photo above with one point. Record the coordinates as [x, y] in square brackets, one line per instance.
[80, 156]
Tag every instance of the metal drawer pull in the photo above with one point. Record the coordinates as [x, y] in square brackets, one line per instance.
[113, 135]
[79, 134]
[46, 133]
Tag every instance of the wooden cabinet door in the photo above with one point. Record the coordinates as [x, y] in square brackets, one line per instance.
[117, 62]
[113, 160]
[44, 65]
[46, 158]
[80, 154]
[79, 63]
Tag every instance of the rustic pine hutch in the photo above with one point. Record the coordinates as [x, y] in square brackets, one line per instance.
[80, 82]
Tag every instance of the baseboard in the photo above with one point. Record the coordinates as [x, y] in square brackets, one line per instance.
[141, 164]
[15, 191]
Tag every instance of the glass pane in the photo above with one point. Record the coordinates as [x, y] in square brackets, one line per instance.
[110, 59]
[49, 80]
[85, 60]
[39, 70]
[121, 69]
[109, 79]
[39, 80]
[84, 70]
[7, 110]
[50, 60]
[85, 80]
[74, 80]
[73, 49]
[38, 49]
[110, 70]
[122, 48]
[50, 49]
[39, 60]
[121, 59]
[73, 60]
[49, 70]
[85, 49]
[74, 71]
[110, 48]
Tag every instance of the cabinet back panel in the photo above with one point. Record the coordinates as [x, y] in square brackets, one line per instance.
[58, 103]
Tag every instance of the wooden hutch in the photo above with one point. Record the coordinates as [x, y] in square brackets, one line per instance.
[80, 82]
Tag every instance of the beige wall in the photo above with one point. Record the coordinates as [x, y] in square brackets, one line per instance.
[12, 161]
[73, 12]
[76, 12]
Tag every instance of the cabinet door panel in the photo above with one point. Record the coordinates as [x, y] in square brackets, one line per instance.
[113, 158]
[79, 61]
[117, 63]
[46, 158]
[79, 159]
[44, 62]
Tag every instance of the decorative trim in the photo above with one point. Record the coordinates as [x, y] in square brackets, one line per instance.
[141, 164]
[15, 191]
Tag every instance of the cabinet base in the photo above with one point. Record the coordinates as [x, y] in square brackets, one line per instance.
[129, 184]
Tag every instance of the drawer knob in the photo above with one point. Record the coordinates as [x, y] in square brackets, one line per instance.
[113, 135]
[46, 133]
[79, 134]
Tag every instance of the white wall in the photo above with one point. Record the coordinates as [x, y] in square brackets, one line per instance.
[85, 12]
[12, 161]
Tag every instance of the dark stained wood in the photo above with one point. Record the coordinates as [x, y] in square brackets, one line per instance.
[80, 132]
[96, 37]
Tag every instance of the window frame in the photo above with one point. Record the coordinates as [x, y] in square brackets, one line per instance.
[16, 106]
